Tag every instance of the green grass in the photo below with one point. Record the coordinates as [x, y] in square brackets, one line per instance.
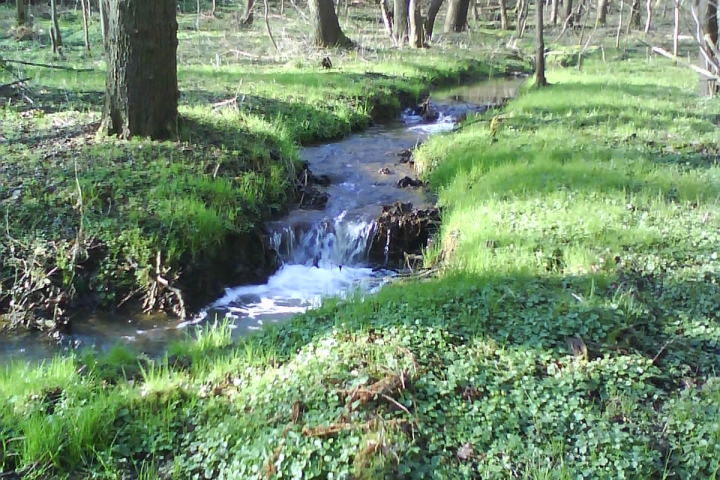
[597, 234]
[92, 221]
[572, 331]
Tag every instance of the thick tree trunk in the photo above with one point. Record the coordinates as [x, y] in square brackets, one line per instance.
[247, 18]
[707, 11]
[326, 30]
[554, 12]
[55, 30]
[417, 35]
[141, 93]
[432, 15]
[540, 80]
[400, 26]
[21, 17]
[568, 4]
[457, 14]
[602, 12]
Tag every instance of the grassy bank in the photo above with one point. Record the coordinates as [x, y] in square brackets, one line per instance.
[573, 333]
[99, 222]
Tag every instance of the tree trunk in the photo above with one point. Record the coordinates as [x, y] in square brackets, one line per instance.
[400, 25]
[55, 30]
[326, 30]
[707, 11]
[85, 4]
[602, 12]
[676, 29]
[648, 22]
[554, 12]
[540, 80]
[432, 15]
[247, 18]
[21, 17]
[457, 14]
[635, 17]
[568, 4]
[417, 36]
[141, 91]
[103, 7]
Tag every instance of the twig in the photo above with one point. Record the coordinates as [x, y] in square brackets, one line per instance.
[267, 24]
[244, 54]
[22, 80]
[664, 347]
[45, 65]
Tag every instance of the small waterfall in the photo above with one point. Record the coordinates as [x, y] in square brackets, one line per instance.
[335, 242]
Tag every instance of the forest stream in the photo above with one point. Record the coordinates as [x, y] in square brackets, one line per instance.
[324, 252]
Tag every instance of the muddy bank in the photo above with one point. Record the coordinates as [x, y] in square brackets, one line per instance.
[402, 231]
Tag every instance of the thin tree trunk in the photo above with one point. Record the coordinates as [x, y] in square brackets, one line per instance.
[247, 18]
[386, 19]
[457, 14]
[540, 80]
[620, 24]
[554, 12]
[503, 15]
[568, 4]
[55, 30]
[21, 14]
[635, 17]
[400, 24]
[141, 92]
[103, 6]
[212, 8]
[676, 29]
[648, 21]
[707, 15]
[267, 25]
[85, 4]
[417, 36]
[432, 15]
[602, 12]
[326, 30]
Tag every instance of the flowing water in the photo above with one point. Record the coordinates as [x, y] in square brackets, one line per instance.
[324, 252]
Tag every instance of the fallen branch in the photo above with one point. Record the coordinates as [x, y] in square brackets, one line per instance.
[45, 65]
[6, 85]
[699, 70]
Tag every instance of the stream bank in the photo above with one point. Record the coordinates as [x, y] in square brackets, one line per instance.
[160, 233]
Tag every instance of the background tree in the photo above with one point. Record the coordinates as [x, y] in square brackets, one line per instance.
[540, 80]
[567, 17]
[20, 13]
[400, 16]
[457, 14]
[141, 91]
[432, 15]
[326, 30]
[55, 35]
[708, 18]
[417, 35]
[602, 7]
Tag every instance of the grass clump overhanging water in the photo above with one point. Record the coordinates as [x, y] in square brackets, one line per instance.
[102, 223]
[573, 333]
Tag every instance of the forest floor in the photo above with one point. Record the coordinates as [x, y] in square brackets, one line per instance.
[572, 333]
[101, 220]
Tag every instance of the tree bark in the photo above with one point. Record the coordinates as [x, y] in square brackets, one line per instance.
[554, 11]
[400, 25]
[503, 15]
[540, 80]
[602, 12]
[141, 91]
[635, 17]
[417, 36]
[326, 30]
[103, 7]
[85, 4]
[21, 16]
[676, 28]
[432, 15]
[457, 15]
[707, 11]
[55, 30]
[568, 4]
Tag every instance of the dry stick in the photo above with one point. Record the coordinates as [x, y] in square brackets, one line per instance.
[44, 65]
[267, 24]
[692, 66]
[22, 80]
